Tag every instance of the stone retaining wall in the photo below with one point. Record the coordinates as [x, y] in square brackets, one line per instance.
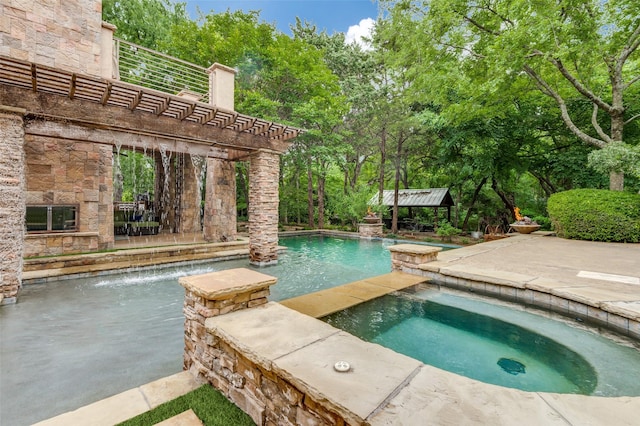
[268, 398]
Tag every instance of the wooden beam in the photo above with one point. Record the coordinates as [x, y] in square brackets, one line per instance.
[92, 115]
[72, 86]
[106, 94]
[209, 116]
[164, 105]
[247, 125]
[34, 78]
[136, 100]
[187, 112]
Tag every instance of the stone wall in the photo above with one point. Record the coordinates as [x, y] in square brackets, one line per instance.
[266, 396]
[12, 204]
[70, 172]
[408, 257]
[370, 230]
[220, 216]
[264, 172]
[190, 197]
[62, 34]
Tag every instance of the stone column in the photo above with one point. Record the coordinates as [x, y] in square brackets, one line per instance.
[212, 294]
[190, 198]
[408, 257]
[12, 202]
[221, 86]
[220, 215]
[264, 170]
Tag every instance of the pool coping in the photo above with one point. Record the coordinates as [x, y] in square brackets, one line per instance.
[611, 305]
[384, 387]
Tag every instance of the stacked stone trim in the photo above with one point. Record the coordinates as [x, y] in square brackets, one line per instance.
[220, 216]
[213, 294]
[269, 398]
[264, 171]
[12, 203]
[370, 230]
[407, 257]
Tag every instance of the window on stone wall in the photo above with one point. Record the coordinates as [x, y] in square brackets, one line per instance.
[51, 218]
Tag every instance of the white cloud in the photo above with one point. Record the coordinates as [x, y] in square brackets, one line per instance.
[357, 33]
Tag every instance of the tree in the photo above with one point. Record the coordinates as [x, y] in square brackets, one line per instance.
[567, 49]
[145, 22]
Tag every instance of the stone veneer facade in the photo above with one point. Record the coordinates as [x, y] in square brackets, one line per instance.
[267, 397]
[220, 216]
[264, 172]
[62, 34]
[370, 230]
[70, 172]
[12, 203]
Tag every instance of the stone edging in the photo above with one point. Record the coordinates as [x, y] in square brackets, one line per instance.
[520, 288]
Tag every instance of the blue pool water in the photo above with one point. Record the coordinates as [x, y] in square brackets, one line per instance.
[496, 342]
[72, 342]
[75, 341]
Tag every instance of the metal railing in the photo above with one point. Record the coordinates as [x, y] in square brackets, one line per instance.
[148, 68]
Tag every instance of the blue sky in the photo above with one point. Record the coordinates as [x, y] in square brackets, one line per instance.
[331, 15]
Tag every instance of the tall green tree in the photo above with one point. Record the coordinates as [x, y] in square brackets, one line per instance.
[586, 49]
[145, 22]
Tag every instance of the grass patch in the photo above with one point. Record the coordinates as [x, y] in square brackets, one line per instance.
[208, 403]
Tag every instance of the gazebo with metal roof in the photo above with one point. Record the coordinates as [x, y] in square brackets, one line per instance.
[428, 197]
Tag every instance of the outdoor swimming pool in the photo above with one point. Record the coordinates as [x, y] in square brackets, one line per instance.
[75, 341]
[72, 342]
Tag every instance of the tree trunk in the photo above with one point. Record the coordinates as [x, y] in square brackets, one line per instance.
[616, 181]
[321, 181]
[383, 160]
[396, 185]
[508, 202]
[310, 209]
[465, 223]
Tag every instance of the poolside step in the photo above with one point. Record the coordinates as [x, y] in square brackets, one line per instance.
[325, 302]
[128, 404]
[186, 418]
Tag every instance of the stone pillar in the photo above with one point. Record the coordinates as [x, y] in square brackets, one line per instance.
[407, 257]
[108, 67]
[12, 202]
[370, 230]
[190, 198]
[220, 215]
[210, 295]
[222, 86]
[264, 170]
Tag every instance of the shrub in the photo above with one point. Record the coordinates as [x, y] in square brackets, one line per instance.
[446, 231]
[596, 215]
[543, 221]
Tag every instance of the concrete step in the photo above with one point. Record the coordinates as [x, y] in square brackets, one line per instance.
[325, 302]
[186, 418]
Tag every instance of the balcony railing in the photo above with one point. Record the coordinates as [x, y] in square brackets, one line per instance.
[148, 68]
